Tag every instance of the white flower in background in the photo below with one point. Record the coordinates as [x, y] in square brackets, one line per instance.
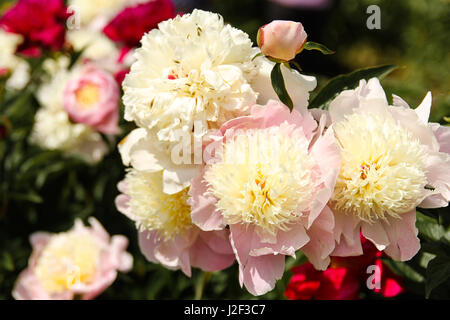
[96, 47]
[53, 129]
[97, 13]
[9, 42]
[19, 68]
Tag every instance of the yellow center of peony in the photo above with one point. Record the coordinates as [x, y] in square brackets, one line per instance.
[264, 178]
[88, 95]
[169, 214]
[381, 173]
[68, 259]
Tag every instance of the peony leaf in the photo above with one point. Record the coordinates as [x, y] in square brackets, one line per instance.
[429, 227]
[317, 46]
[438, 271]
[280, 87]
[347, 81]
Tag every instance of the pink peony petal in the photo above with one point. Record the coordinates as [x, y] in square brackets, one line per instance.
[376, 233]
[402, 233]
[322, 242]
[261, 273]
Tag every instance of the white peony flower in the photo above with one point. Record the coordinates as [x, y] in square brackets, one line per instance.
[193, 68]
[53, 129]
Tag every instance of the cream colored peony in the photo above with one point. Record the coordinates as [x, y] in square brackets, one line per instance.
[193, 68]
[53, 129]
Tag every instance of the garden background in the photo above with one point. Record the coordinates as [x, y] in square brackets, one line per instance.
[41, 190]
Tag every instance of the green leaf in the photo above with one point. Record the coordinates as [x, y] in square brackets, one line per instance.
[429, 227]
[404, 270]
[280, 87]
[347, 81]
[75, 57]
[438, 272]
[29, 197]
[317, 46]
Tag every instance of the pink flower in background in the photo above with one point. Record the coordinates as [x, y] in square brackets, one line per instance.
[393, 162]
[269, 179]
[41, 23]
[81, 262]
[92, 98]
[129, 26]
[166, 233]
[344, 279]
[282, 40]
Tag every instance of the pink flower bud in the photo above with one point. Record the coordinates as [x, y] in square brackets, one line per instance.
[281, 40]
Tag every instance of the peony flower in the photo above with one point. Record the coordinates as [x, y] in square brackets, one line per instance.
[81, 262]
[10, 63]
[166, 232]
[53, 129]
[281, 40]
[40, 23]
[132, 23]
[269, 179]
[92, 98]
[344, 278]
[193, 69]
[392, 162]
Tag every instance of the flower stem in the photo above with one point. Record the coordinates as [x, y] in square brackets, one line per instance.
[200, 285]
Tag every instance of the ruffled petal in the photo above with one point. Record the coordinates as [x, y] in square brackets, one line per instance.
[402, 233]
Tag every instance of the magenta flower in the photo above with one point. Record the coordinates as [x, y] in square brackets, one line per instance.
[41, 23]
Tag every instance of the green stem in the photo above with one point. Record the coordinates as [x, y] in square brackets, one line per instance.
[201, 283]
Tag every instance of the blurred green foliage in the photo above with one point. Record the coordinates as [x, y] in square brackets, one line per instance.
[43, 190]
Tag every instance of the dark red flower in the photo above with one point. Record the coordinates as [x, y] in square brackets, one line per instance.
[132, 23]
[120, 76]
[332, 284]
[344, 278]
[41, 23]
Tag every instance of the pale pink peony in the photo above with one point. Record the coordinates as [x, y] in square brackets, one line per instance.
[274, 207]
[81, 262]
[166, 234]
[393, 161]
[92, 97]
[282, 40]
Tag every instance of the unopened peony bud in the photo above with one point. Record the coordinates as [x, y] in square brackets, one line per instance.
[281, 40]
